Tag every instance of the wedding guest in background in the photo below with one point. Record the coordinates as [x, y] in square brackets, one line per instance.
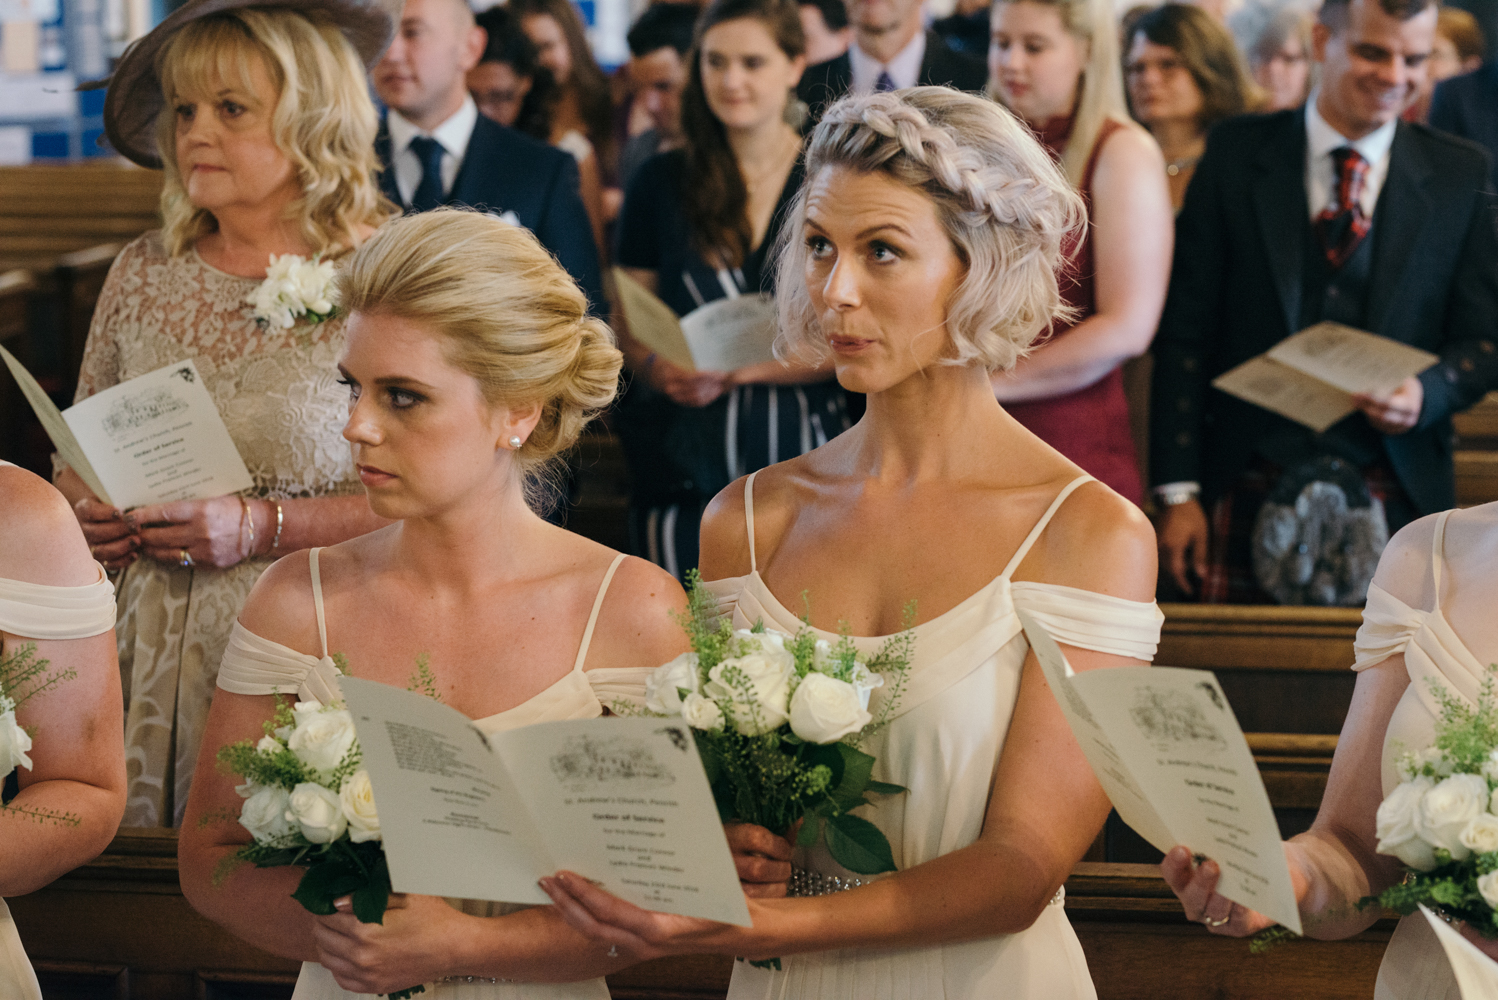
[56, 601]
[697, 226]
[1277, 43]
[825, 24]
[659, 45]
[261, 123]
[921, 256]
[1337, 211]
[967, 28]
[891, 50]
[1468, 106]
[1458, 48]
[582, 122]
[1428, 632]
[508, 86]
[471, 364]
[436, 149]
[1184, 76]
[1055, 64]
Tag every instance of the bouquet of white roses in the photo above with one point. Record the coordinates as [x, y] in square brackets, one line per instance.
[294, 287]
[308, 803]
[778, 719]
[1442, 819]
[23, 677]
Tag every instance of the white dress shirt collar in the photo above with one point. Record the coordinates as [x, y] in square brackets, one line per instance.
[453, 135]
[1321, 172]
[904, 68]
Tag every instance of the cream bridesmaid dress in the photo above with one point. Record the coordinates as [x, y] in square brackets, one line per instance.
[944, 744]
[37, 611]
[1414, 966]
[256, 666]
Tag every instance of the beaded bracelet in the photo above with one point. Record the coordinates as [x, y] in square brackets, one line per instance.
[246, 516]
[275, 542]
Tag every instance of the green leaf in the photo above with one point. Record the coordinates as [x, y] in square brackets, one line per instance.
[371, 898]
[857, 769]
[884, 788]
[811, 828]
[858, 845]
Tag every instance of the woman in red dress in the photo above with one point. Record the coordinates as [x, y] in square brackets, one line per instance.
[1055, 64]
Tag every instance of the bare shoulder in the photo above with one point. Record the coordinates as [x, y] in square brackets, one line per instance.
[637, 625]
[723, 549]
[1404, 569]
[1096, 541]
[778, 491]
[280, 606]
[40, 541]
[1129, 152]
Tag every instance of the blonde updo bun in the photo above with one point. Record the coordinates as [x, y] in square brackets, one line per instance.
[514, 319]
[1005, 206]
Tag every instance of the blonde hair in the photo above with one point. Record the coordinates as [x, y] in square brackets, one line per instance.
[1001, 199]
[513, 319]
[1101, 92]
[323, 120]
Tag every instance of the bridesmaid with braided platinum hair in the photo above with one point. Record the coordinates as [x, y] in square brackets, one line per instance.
[921, 256]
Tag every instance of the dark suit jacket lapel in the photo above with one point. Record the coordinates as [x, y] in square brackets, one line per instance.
[1279, 199]
[483, 170]
[1400, 214]
[387, 162]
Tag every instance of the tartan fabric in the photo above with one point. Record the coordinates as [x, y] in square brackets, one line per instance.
[1230, 567]
[1341, 227]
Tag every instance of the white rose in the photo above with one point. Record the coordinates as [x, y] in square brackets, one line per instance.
[747, 641]
[757, 687]
[14, 743]
[866, 681]
[268, 744]
[1446, 810]
[701, 713]
[1396, 831]
[357, 799]
[1481, 834]
[825, 709]
[317, 811]
[264, 813]
[322, 739]
[1488, 886]
[1436, 758]
[663, 687]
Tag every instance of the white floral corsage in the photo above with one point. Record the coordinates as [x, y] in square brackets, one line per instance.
[295, 287]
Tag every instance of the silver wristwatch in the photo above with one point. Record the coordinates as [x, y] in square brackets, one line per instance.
[1172, 494]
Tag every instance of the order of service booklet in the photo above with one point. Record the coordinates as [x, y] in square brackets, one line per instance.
[153, 439]
[1312, 376]
[622, 802]
[1476, 973]
[721, 336]
[1169, 753]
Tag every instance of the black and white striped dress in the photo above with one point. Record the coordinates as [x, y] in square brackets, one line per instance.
[680, 457]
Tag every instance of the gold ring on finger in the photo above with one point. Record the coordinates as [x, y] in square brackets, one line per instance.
[186, 559]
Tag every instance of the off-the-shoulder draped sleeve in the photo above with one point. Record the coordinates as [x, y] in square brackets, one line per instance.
[1388, 626]
[1093, 621]
[256, 666]
[38, 611]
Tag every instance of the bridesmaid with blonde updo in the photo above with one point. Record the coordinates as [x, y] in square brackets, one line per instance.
[472, 365]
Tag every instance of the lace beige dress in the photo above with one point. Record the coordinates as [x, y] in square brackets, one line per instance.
[278, 394]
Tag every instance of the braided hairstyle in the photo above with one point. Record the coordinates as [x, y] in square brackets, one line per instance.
[1002, 200]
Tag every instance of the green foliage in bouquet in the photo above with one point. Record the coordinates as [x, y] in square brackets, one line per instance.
[22, 677]
[1462, 885]
[776, 778]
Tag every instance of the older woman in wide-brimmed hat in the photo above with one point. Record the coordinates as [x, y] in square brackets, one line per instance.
[259, 117]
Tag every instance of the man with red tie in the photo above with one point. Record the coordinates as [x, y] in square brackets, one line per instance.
[1334, 211]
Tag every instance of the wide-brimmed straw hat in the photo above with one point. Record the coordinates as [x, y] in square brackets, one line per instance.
[134, 99]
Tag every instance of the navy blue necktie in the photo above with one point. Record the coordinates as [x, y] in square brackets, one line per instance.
[884, 83]
[428, 193]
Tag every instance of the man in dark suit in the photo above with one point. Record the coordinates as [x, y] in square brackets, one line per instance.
[890, 51]
[1335, 211]
[1468, 106]
[436, 149]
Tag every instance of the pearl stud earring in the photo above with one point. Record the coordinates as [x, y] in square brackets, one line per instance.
[515, 442]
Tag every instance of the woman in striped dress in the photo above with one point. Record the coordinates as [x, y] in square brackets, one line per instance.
[697, 226]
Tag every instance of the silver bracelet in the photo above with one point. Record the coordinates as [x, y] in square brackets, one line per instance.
[474, 979]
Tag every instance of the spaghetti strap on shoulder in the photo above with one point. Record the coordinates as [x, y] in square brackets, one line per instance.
[1045, 519]
[749, 518]
[603, 589]
[1438, 555]
[322, 622]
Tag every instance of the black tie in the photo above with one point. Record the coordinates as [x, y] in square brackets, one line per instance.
[428, 193]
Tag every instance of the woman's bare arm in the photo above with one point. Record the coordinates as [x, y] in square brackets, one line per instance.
[78, 749]
[1133, 233]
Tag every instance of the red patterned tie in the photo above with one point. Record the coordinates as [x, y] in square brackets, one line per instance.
[1342, 225]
